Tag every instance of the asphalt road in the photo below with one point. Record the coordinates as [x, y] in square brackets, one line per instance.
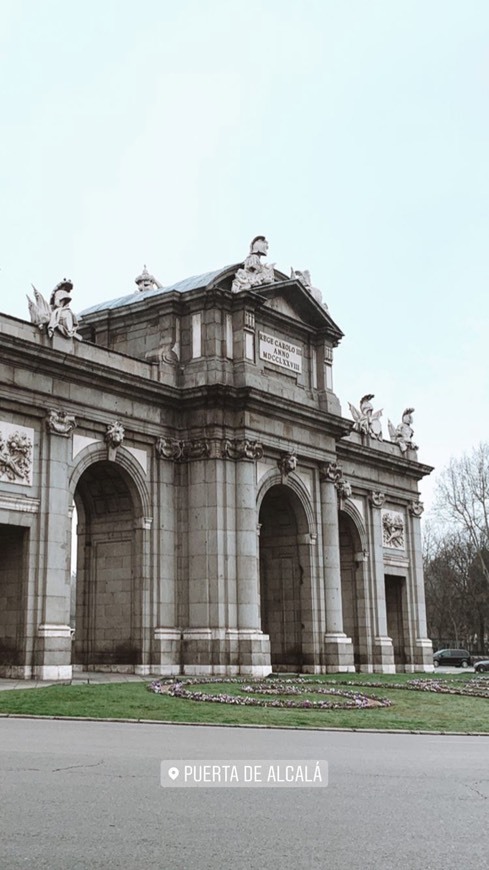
[87, 795]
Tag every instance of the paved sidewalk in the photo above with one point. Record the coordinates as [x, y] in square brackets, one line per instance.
[80, 679]
[97, 677]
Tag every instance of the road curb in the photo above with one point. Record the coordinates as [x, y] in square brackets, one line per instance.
[244, 725]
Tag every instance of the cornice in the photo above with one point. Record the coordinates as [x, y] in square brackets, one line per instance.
[375, 458]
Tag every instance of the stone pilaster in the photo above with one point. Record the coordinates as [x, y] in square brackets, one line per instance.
[204, 638]
[382, 651]
[52, 658]
[338, 648]
[423, 648]
[254, 646]
[166, 636]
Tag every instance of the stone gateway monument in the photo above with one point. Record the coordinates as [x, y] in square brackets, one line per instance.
[229, 518]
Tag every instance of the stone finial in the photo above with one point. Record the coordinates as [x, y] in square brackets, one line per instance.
[402, 435]
[287, 463]
[367, 420]
[145, 281]
[60, 423]
[57, 316]
[254, 272]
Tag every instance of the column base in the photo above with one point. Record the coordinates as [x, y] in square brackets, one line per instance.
[226, 652]
[166, 652]
[53, 672]
[53, 652]
[16, 672]
[423, 655]
[383, 656]
[338, 654]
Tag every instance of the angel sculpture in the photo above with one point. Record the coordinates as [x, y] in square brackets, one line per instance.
[367, 420]
[57, 316]
[403, 434]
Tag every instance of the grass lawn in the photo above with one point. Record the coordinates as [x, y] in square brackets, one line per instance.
[413, 711]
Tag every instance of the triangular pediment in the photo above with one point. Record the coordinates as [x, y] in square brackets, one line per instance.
[291, 299]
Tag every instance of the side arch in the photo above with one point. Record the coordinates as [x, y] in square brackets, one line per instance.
[295, 484]
[130, 468]
[349, 508]
[287, 543]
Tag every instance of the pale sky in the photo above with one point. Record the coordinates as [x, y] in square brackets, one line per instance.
[353, 133]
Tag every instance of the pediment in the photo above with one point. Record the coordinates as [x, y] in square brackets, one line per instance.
[292, 300]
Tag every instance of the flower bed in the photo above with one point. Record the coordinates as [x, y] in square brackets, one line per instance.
[343, 699]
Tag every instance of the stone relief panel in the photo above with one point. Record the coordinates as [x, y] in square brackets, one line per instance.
[393, 531]
[16, 445]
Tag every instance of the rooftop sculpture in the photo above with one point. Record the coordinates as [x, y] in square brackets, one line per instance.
[403, 434]
[367, 420]
[305, 278]
[145, 281]
[254, 271]
[56, 316]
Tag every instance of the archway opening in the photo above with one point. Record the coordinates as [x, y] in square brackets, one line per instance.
[284, 577]
[13, 545]
[107, 600]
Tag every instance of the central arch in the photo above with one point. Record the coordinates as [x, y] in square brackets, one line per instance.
[285, 578]
[109, 551]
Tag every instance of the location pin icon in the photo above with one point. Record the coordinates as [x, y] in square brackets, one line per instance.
[173, 772]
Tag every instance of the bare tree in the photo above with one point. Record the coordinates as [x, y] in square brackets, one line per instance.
[457, 551]
[462, 500]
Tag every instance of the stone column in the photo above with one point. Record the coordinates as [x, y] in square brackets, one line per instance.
[52, 659]
[166, 640]
[423, 648]
[254, 646]
[383, 651]
[337, 646]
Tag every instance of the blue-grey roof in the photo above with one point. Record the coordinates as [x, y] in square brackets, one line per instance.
[192, 283]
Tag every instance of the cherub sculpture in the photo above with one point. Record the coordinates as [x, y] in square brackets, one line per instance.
[403, 434]
[367, 420]
[57, 316]
[254, 272]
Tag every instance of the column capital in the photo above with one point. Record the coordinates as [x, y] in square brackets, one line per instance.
[416, 508]
[241, 448]
[330, 472]
[58, 422]
[376, 499]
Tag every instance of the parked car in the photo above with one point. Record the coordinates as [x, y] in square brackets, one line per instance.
[482, 666]
[452, 657]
